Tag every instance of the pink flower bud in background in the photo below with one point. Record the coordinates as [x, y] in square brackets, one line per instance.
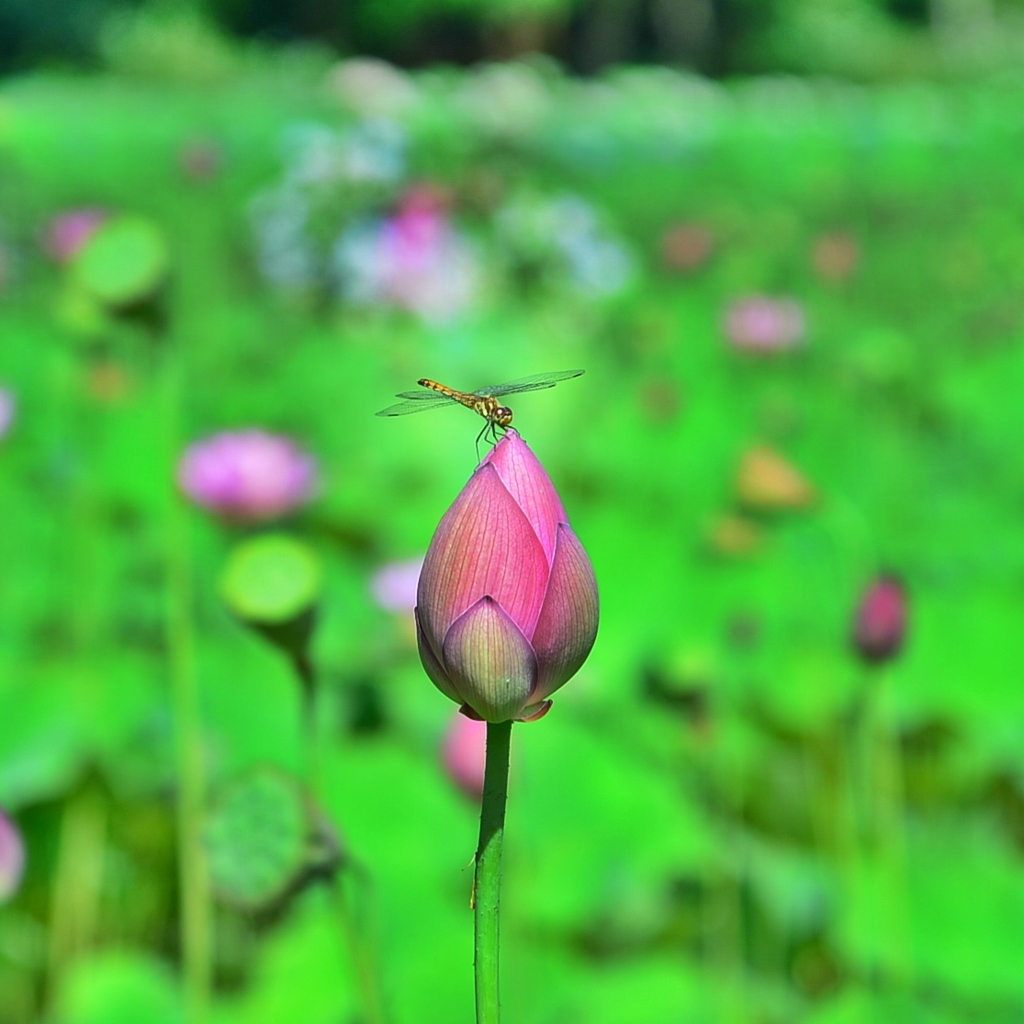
[394, 585]
[68, 232]
[686, 246]
[12, 857]
[880, 623]
[200, 160]
[247, 475]
[464, 753]
[762, 324]
[835, 256]
[507, 603]
[8, 407]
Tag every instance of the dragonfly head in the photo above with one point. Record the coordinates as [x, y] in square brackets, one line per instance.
[502, 416]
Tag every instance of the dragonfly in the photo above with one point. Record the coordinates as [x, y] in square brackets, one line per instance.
[483, 401]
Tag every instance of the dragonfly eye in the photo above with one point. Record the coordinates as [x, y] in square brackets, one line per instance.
[503, 416]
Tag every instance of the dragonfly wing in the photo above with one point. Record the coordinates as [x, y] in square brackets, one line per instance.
[537, 382]
[423, 396]
[414, 405]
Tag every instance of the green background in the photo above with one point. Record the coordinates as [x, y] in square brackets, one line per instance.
[725, 817]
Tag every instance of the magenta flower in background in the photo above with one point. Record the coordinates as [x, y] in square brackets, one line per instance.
[12, 857]
[394, 585]
[414, 260]
[762, 324]
[67, 233]
[8, 407]
[880, 623]
[507, 603]
[247, 475]
[464, 754]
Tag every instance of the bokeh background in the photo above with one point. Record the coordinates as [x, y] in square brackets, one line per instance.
[784, 240]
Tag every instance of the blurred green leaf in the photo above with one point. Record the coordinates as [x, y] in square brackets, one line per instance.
[256, 837]
[119, 988]
[124, 261]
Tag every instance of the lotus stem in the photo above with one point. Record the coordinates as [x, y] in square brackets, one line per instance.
[196, 912]
[359, 948]
[487, 884]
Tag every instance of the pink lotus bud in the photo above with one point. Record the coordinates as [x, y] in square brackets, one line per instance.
[247, 475]
[880, 623]
[12, 857]
[68, 232]
[762, 324]
[464, 753]
[507, 601]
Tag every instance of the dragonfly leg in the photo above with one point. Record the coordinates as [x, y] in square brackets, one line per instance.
[479, 438]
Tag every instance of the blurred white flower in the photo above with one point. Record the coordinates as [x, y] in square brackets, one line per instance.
[372, 87]
[284, 252]
[324, 171]
[374, 152]
[313, 154]
[564, 235]
[371, 151]
[506, 100]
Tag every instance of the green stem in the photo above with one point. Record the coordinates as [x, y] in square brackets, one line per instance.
[888, 821]
[487, 884]
[373, 1011]
[362, 961]
[77, 882]
[196, 913]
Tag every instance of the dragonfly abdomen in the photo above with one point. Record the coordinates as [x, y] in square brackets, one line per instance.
[484, 405]
[468, 400]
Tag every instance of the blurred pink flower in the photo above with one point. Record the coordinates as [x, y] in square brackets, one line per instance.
[68, 232]
[464, 754]
[880, 623]
[414, 260]
[8, 407]
[247, 475]
[758, 323]
[12, 857]
[394, 585]
[507, 603]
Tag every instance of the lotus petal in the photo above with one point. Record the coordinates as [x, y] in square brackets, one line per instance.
[567, 625]
[432, 665]
[530, 486]
[483, 546]
[490, 661]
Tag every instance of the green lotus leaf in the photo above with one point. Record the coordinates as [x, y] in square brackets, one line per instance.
[124, 262]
